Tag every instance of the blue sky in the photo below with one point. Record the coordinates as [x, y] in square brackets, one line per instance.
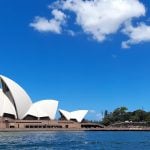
[79, 63]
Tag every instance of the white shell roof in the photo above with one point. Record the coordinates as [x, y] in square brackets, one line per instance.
[65, 113]
[20, 104]
[36, 111]
[20, 97]
[43, 108]
[5, 105]
[78, 115]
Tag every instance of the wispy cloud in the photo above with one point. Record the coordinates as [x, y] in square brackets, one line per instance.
[92, 111]
[53, 25]
[96, 115]
[138, 34]
[71, 32]
[114, 56]
[99, 116]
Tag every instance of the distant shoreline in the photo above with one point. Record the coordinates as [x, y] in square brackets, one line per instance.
[75, 129]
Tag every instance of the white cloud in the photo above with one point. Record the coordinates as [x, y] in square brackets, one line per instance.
[71, 32]
[97, 18]
[96, 115]
[100, 18]
[99, 116]
[138, 34]
[53, 25]
[92, 111]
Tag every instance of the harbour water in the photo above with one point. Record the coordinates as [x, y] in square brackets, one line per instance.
[100, 140]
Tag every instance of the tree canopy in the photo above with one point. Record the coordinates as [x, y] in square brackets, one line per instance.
[122, 114]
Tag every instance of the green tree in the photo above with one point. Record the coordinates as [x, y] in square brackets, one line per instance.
[119, 114]
[139, 115]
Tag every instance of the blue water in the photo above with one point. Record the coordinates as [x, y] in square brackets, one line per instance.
[76, 140]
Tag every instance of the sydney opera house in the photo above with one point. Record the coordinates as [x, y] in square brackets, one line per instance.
[18, 112]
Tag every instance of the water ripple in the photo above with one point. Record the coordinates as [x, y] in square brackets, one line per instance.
[75, 140]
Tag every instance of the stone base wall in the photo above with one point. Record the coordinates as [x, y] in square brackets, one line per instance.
[6, 123]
